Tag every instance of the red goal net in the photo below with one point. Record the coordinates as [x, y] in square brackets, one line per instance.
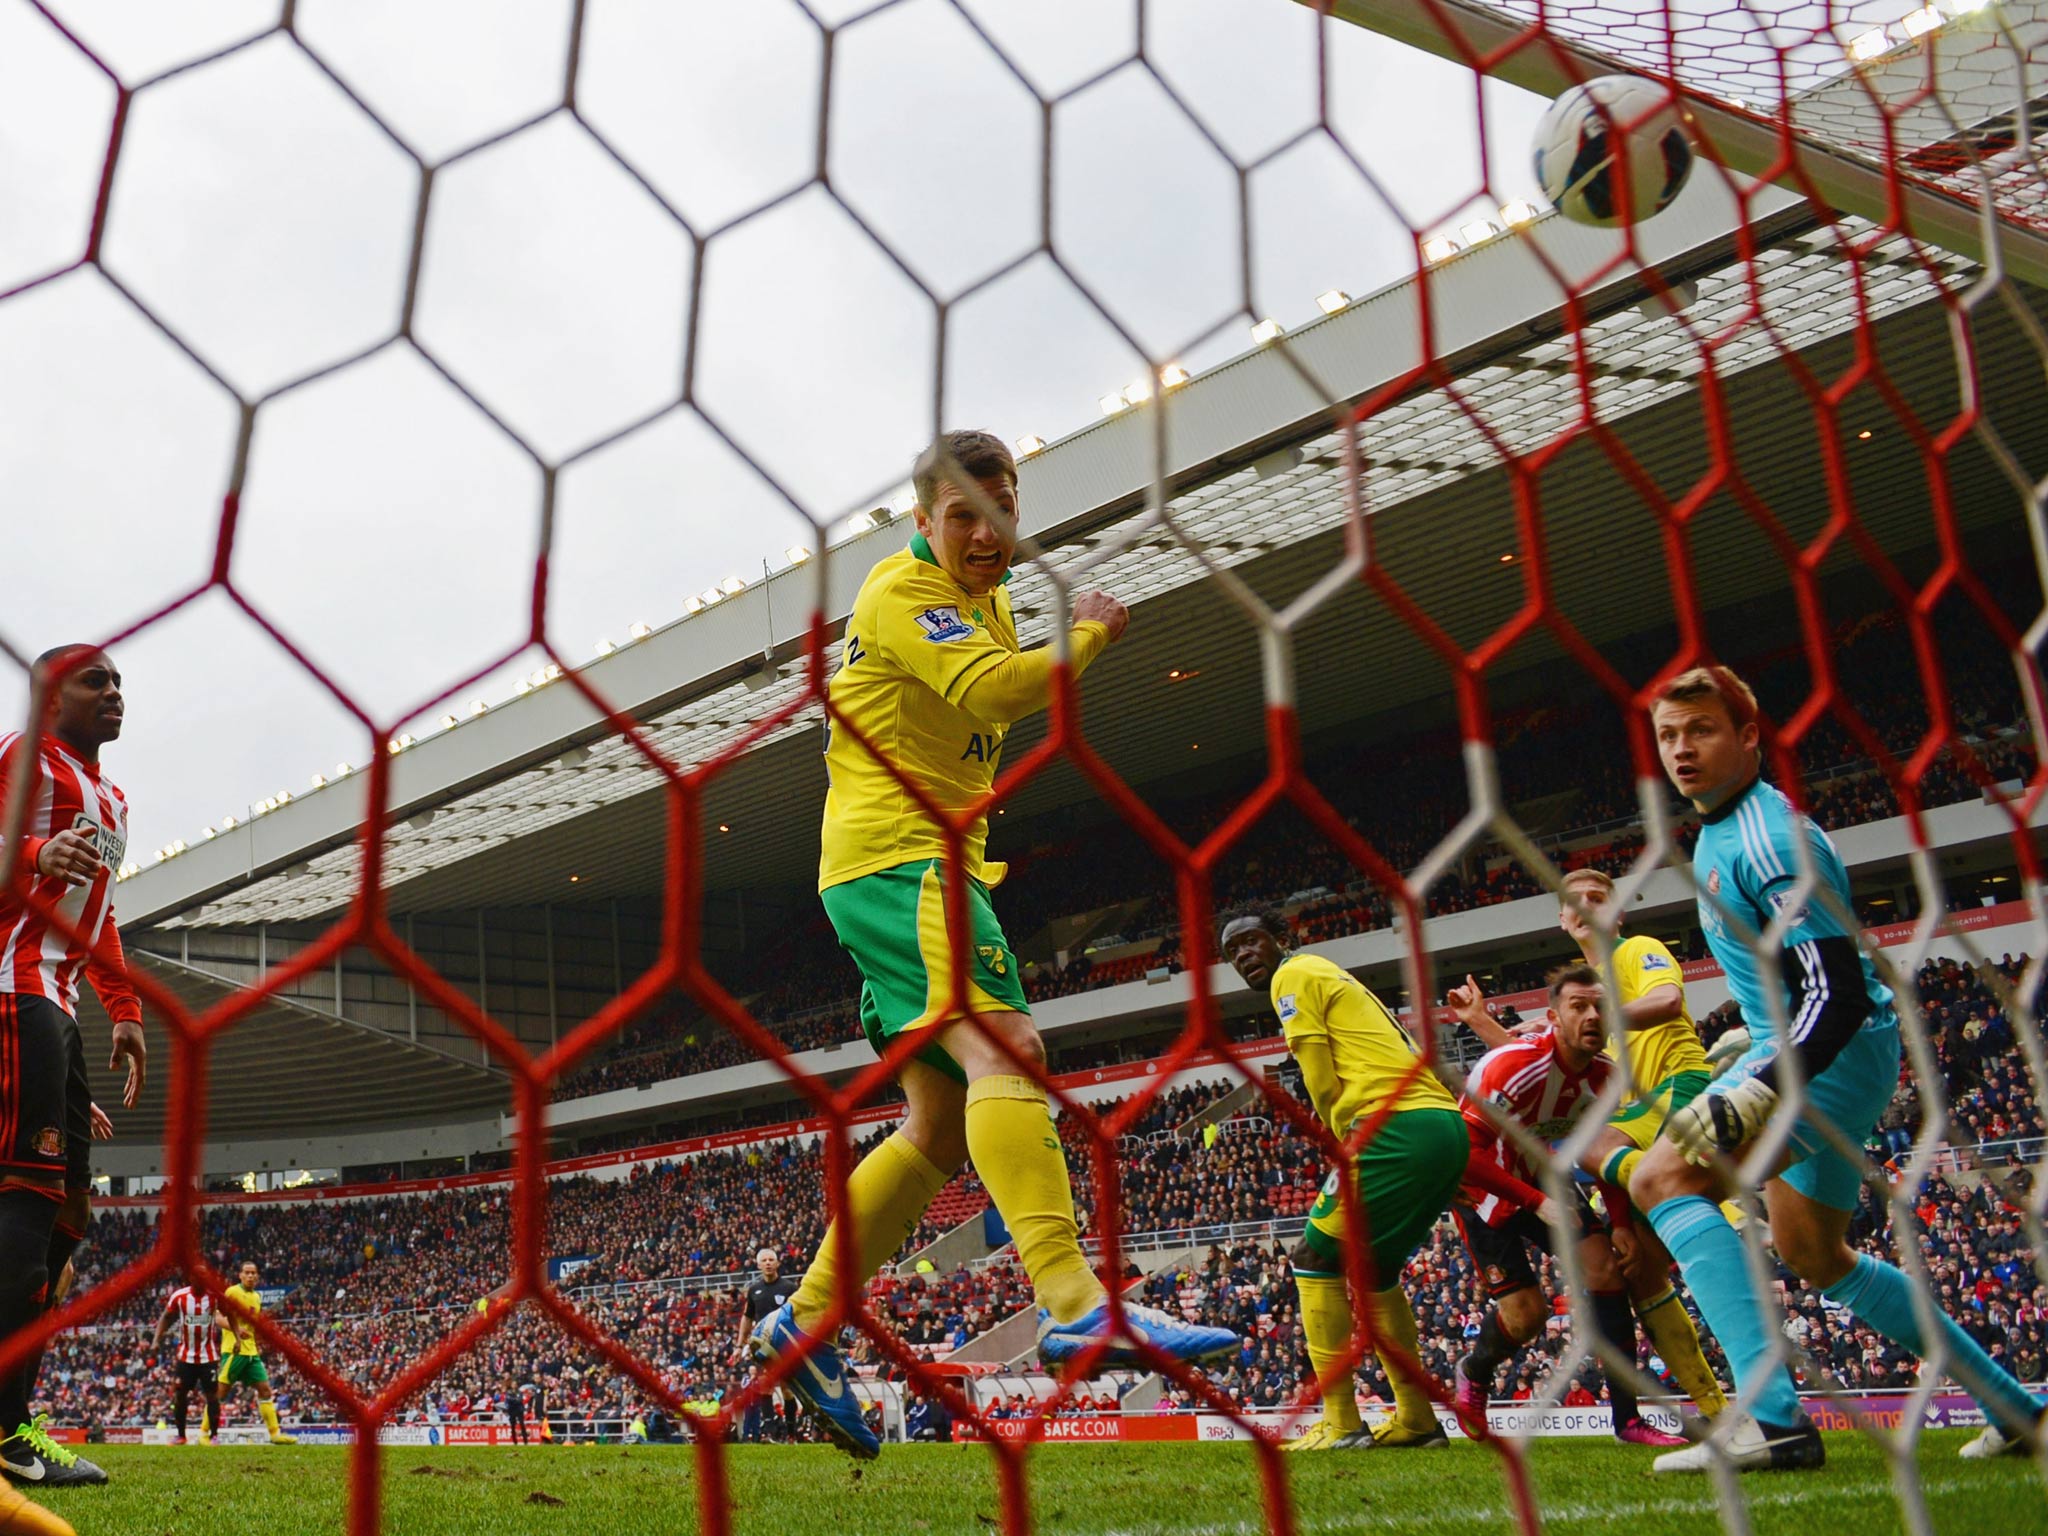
[1531, 473]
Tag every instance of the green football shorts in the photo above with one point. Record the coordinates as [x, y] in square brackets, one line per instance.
[240, 1370]
[893, 923]
[1407, 1176]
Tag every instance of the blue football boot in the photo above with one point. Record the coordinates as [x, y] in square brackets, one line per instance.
[1060, 1342]
[819, 1380]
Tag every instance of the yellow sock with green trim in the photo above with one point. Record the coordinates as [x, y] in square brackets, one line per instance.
[1620, 1166]
[1674, 1337]
[885, 1195]
[1394, 1320]
[1326, 1326]
[1017, 1152]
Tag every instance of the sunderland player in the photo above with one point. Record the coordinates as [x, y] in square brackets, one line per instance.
[1666, 1068]
[1545, 1082]
[241, 1356]
[931, 675]
[1842, 1028]
[1359, 1064]
[56, 926]
[190, 1311]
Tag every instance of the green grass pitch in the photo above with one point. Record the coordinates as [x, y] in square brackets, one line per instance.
[1137, 1490]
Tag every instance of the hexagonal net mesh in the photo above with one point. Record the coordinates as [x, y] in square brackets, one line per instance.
[1698, 367]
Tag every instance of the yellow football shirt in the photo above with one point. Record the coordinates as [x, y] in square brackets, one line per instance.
[1317, 999]
[1641, 965]
[252, 1302]
[915, 644]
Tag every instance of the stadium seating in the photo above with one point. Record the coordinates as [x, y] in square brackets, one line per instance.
[1397, 799]
[374, 1282]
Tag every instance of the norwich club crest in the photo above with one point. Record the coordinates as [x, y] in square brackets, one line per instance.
[993, 957]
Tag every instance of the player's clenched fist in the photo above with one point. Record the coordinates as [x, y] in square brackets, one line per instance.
[1102, 609]
[70, 856]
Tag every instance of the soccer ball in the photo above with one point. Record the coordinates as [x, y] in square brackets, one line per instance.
[1577, 163]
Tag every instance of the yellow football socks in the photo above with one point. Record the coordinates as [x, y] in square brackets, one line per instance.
[268, 1408]
[1017, 1152]
[1674, 1337]
[885, 1196]
[1621, 1166]
[1326, 1326]
[1394, 1321]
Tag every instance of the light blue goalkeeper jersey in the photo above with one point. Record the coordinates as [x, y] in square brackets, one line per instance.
[1746, 866]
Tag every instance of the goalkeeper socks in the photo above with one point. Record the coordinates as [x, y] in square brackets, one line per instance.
[1673, 1336]
[268, 1408]
[1017, 1152]
[1883, 1297]
[1394, 1320]
[1326, 1328]
[885, 1196]
[1709, 1254]
[1616, 1320]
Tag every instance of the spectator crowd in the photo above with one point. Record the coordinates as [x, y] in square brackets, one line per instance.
[1569, 763]
[657, 1259]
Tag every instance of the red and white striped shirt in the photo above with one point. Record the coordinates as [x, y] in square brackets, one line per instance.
[1530, 1084]
[38, 958]
[192, 1309]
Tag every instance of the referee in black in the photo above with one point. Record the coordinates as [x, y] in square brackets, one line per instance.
[767, 1293]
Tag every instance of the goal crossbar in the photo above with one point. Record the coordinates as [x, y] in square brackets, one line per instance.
[1747, 143]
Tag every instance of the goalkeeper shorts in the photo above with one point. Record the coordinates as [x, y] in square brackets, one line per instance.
[1407, 1175]
[893, 923]
[1851, 1095]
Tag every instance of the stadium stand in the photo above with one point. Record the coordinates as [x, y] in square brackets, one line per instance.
[379, 1279]
[1393, 795]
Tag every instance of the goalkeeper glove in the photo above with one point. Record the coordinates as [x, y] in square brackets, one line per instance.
[1721, 1121]
[1724, 1052]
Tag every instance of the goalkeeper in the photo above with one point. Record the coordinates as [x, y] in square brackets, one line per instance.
[932, 677]
[1838, 1019]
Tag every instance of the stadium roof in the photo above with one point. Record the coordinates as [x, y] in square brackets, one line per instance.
[287, 1066]
[502, 809]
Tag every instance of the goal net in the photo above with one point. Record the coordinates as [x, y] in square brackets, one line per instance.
[1418, 495]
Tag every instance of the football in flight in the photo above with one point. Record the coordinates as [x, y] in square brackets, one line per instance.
[1613, 151]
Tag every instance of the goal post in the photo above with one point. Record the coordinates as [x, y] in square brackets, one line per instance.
[1829, 137]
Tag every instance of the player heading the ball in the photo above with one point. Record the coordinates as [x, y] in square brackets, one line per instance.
[932, 677]
[1844, 1035]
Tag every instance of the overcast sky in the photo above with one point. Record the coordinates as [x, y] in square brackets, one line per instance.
[388, 525]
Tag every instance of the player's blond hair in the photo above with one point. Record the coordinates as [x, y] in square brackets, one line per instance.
[1715, 682]
[1599, 879]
